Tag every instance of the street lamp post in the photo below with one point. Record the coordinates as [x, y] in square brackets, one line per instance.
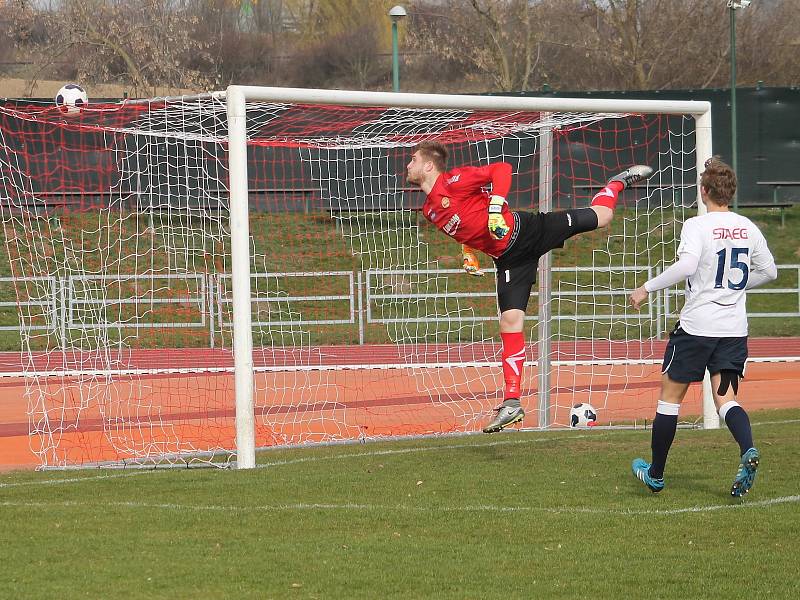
[733, 5]
[395, 14]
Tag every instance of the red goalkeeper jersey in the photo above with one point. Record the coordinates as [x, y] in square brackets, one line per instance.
[458, 205]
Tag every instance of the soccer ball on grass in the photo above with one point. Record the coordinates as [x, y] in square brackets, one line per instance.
[71, 98]
[583, 415]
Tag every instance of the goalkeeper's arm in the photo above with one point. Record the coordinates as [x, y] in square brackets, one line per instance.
[499, 175]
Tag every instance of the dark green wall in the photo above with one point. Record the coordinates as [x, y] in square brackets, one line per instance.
[768, 132]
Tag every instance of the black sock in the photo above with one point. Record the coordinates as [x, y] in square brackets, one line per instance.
[739, 423]
[664, 427]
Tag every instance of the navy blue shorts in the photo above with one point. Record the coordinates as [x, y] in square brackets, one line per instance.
[688, 356]
[536, 235]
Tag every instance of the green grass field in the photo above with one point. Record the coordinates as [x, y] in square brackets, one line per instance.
[514, 515]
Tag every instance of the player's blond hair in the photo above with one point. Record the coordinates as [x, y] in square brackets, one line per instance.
[433, 151]
[719, 180]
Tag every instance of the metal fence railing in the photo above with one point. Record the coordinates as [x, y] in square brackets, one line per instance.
[294, 301]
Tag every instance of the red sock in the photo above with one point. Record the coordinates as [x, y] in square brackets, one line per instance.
[513, 361]
[608, 195]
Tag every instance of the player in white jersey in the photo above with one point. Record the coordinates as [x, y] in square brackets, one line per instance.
[721, 255]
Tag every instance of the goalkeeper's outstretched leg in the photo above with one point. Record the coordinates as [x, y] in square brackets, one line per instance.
[458, 204]
[535, 235]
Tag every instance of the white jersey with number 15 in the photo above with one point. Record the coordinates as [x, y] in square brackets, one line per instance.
[728, 247]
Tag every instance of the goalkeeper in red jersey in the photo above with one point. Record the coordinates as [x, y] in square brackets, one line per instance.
[458, 205]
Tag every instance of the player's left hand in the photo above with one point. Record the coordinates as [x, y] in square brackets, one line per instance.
[638, 296]
[471, 265]
[498, 228]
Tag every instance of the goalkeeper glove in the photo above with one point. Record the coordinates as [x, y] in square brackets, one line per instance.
[497, 224]
[471, 265]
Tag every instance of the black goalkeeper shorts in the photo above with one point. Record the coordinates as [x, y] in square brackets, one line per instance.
[535, 235]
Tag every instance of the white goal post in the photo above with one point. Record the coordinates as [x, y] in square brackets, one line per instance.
[237, 98]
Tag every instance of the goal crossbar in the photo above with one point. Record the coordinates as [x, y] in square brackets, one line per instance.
[697, 108]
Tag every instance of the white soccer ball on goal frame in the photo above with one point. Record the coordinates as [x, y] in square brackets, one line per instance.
[71, 98]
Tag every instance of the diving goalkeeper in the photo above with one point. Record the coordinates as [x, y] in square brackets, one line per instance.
[458, 206]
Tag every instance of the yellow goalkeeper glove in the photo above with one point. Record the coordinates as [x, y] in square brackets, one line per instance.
[497, 224]
[471, 265]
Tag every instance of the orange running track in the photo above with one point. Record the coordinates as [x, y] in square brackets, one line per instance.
[368, 397]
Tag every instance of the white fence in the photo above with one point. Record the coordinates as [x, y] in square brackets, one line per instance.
[83, 302]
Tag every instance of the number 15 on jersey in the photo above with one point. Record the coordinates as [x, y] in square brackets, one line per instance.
[736, 264]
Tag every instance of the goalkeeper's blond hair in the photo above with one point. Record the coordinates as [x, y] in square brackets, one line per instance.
[434, 152]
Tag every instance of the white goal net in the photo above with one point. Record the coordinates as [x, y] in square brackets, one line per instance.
[121, 226]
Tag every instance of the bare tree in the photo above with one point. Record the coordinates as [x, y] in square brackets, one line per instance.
[655, 44]
[231, 31]
[605, 44]
[141, 43]
[342, 42]
[6, 41]
[768, 42]
[662, 44]
[447, 45]
[498, 39]
[271, 18]
[350, 59]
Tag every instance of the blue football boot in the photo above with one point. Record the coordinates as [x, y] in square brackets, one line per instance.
[641, 470]
[746, 474]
